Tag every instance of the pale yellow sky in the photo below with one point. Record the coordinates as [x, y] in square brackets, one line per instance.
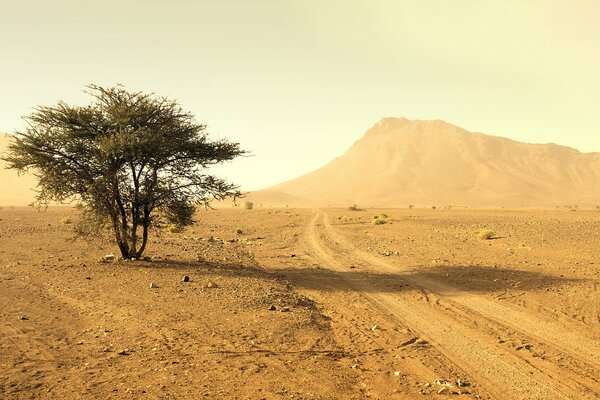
[297, 82]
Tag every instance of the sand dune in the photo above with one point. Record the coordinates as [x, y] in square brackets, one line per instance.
[15, 190]
[400, 161]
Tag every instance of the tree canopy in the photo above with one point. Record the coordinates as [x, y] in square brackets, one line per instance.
[129, 158]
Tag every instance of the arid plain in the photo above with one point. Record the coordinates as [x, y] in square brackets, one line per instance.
[306, 304]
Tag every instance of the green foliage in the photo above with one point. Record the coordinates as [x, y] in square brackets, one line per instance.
[129, 158]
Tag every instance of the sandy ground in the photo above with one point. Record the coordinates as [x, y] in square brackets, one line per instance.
[419, 307]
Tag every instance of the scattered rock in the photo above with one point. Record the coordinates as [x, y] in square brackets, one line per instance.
[386, 253]
[460, 383]
[285, 309]
[185, 278]
[125, 352]
[153, 285]
[147, 258]
[375, 328]
[211, 285]
[397, 373]
[109, 258]
[23, 318]
[272, 308]
[292, 256]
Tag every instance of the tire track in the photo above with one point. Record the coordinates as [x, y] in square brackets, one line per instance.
[502, 373]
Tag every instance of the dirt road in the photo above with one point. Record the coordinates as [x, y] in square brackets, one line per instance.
[502, 351]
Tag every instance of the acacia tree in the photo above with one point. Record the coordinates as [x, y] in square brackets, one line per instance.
[130, 159]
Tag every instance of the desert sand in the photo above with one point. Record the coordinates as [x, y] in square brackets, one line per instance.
[305, 304]
[399, 162]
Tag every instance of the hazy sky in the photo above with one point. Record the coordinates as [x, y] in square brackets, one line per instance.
[297, 82]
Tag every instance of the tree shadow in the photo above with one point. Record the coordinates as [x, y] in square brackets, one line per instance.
[445, 279]
[205, 267]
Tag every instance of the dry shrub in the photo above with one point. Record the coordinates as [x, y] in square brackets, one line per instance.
[172, 228]
[380, 219]
[485, 234]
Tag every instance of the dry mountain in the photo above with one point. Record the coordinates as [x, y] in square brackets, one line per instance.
[400, 161]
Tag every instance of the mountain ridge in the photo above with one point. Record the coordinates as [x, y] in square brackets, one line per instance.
[400, 161]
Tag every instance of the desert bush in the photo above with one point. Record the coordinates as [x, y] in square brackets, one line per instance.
[173, 228]
[354, 207]
[248, 205]
[411, 206]
[238, 231]
[380, 219]
[485, 234]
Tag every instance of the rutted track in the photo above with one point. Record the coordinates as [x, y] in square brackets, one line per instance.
[465, 328]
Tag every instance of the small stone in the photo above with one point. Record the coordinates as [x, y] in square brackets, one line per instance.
[212, 285]
[375, 328]
[442, 390]
[22, 318]
[272, 308]
[185, 278]
[125, 352]
[460, 383]
[153, 285]
[285, 309]
[292, 256]
[397, 373]
[109, 258]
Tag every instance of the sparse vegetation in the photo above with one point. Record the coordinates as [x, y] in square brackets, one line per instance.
[239, 231]
[173, 228]
[130, 158]
[66, 221]
[380, 219]
[248, 205]
[354, 207]
[485, 234]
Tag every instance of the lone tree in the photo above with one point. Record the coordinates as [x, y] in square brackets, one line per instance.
[130, 159]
